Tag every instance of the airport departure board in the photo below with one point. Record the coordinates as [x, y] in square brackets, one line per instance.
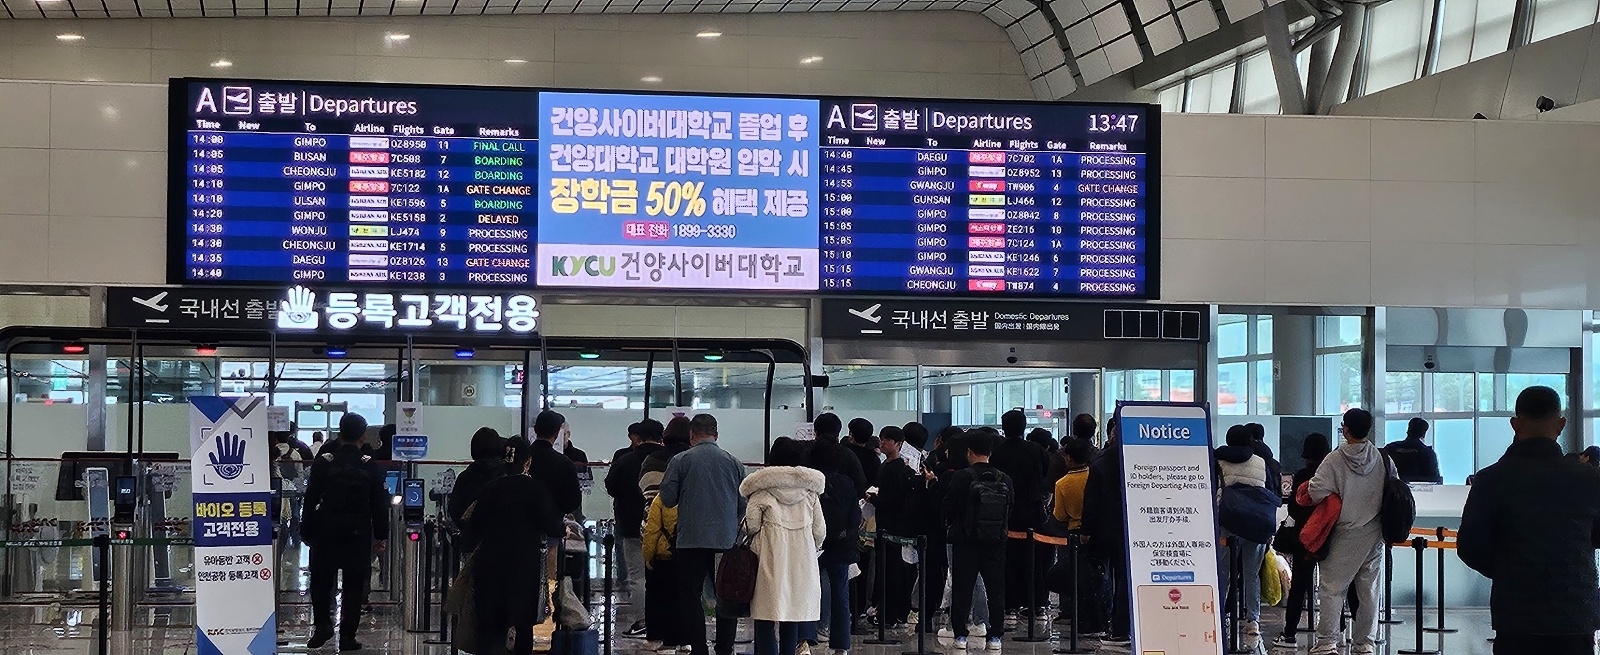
[436, 186]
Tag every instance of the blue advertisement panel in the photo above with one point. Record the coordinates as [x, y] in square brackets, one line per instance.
[677, 192]
[1172, 527]
[235, 608]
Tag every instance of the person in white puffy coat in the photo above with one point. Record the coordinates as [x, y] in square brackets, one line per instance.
[784, 514]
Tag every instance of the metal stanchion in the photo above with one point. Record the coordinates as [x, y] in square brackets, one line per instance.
[610, 542]
[1440, 628]
[446, 574]
[1033, 608]
[102, 546]
[925, 613]
[1418, 544]
[1388, 587]
[1072, 647]
[881, 549]
[428, 531]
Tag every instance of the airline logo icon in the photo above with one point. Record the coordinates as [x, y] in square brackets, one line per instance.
[986, 243]
[986, 171]
[864, 118]
[986, 186]
[976, 270]
[986, 285]
[978, 200]
[986, 157]
[986, 257]
[986, 214]
[986, 228]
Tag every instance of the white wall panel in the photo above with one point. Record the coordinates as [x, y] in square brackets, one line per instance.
[1333, 272]
[1229, 208]
[1214, 145]
[1424, 212]
[1329, 149]
[1318, 210]
[1423, 150]
[1436, 274]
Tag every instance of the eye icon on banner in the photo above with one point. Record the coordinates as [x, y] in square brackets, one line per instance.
[299, 310]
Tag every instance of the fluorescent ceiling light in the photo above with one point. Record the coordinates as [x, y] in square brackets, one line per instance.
[813, 59]
[651, 79]
[222, 63]
[709, 34]
[396, 36]
[516, 61]
[69, 37]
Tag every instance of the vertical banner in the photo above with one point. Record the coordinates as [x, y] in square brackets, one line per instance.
[235, 600]
[1172, 528]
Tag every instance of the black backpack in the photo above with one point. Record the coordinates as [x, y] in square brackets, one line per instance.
[345, 510]
[842, 513]
[988, 508]
[1399, 509]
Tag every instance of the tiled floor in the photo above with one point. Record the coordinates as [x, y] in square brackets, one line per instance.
[168, 631]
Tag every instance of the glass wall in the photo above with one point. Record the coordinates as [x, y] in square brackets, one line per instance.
[1339, 367]
[1244, 364]
[1469, 413]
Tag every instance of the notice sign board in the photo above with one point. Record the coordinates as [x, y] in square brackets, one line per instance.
[1172, 528]
[235, 613]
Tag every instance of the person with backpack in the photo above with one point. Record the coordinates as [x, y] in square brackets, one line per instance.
[1530, 525]
[346, 520]
[1312, 451]
[977, 506]
[628, 507]
[516, 518]
[1357, 472]
[784, 518]
[1247, 511]
[663, 626]
[488, 464]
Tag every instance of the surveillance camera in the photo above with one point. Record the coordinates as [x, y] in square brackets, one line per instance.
[1428, 362]
[1011, 360]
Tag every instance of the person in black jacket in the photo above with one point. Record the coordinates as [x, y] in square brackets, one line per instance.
[860, 445]
[1413, 457]
[488, 464]
[516, 518]
[1530, 525]
[977, 550]
[899, 492]
[1258, 445]
[346, 520]
[829, 456]
[554, 469]
[627, 506]
[1025, 463]
[1105, 525]
[1315, 447]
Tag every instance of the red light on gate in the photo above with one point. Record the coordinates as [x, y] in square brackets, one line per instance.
[74, 348]
[205, 350]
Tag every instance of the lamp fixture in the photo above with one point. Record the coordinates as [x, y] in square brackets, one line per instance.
[714, 355]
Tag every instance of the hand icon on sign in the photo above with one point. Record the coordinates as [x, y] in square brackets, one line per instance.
[228, 460]
[299, 310]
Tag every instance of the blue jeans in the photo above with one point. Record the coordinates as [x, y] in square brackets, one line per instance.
[1253, 554]
[835, 608]
[777, 638]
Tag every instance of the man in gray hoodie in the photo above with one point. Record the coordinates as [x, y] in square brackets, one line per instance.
[1355, 472]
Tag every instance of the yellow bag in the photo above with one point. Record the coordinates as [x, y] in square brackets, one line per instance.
[1271, 583]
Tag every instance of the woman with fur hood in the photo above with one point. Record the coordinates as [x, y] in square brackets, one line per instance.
[784, 515]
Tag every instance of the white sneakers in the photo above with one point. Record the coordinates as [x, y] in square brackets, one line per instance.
[960, 644]
[994, 644]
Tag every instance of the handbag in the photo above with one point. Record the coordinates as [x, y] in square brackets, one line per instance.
[1287, 541]
[736, 573]
[463, 605]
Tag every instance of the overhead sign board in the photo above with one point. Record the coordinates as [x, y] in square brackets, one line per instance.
[902, 319]
[332, 311]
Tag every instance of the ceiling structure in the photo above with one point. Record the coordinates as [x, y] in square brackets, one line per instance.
[1064, 44]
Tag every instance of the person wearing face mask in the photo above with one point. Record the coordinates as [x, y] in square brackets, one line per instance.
[515, 518]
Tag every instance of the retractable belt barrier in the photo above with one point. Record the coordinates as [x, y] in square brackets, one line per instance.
[1440, 539]
[881, 554]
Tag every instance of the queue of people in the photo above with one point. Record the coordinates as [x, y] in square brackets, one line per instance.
[681, 501]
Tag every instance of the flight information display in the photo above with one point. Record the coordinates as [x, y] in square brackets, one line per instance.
[306, 182]
[984, 198]
[436, 186]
